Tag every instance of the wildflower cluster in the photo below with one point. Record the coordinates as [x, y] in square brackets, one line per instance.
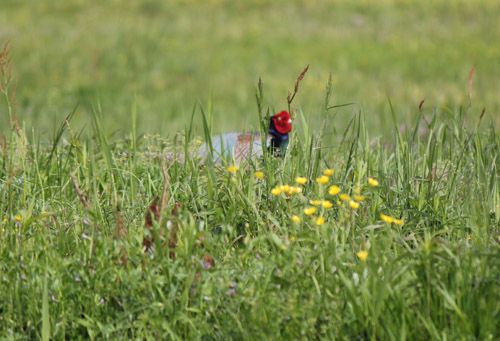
[286, 189]
[316, 209]
[328, 197]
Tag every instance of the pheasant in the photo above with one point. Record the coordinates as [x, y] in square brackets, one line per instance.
[241, 146]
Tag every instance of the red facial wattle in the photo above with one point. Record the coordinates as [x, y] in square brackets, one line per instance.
[282, 122]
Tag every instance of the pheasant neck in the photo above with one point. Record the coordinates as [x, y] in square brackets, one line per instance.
[279, 144]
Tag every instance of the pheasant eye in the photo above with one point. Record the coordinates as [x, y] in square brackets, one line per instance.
[279, 118]
[290, 121]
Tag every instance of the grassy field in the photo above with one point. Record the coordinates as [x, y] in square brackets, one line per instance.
[399, 239]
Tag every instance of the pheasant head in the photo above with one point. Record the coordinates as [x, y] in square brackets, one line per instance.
[279, 127]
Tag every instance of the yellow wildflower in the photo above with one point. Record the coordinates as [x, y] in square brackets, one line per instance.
[301, 180]
[276, 191]
[372, 182]
[386, 218]
[315, 202]
[359, 197]
[309, 210]
[328, 172]
[285, 189]
[362, 255]
[334, 190]
[353, 204]
[319, 220]
[232, 169]
[18, 218]
[322, 180]
[398, 221]
[295, 190]
[5, 220]
[296, 219]
[326, 204]
[292, 239]
[344, 197]
[259, 174]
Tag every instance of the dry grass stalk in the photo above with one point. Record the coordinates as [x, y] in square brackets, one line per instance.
[120, 234]
[83, 198]
[301, 76]
[152, 215]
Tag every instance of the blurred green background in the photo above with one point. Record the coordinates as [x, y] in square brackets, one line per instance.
[167, 56]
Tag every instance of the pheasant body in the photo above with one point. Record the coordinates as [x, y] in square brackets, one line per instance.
[242, 146]
[235, 145]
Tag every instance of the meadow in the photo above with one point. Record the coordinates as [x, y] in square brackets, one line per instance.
[382, 221]
[167, 56]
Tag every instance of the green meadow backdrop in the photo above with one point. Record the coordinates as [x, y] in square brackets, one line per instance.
[164, 57]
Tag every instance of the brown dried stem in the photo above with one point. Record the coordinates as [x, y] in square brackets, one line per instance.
[291, 96]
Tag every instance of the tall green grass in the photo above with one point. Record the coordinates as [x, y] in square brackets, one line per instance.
[72, 263]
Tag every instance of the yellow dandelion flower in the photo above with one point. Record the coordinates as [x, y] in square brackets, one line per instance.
[276, 191]
[362, 255]
[326, 204]
[295, 190]
[359, 198]
[334, 190]
[322, 180]
[372, 182]
[301, 180]
[259, 175]
[315, 202]
[386, 218]
[398, 221]
[344, 197]
[18, 218]
[232, 169]
[328, 172]
[296, 219]
[353, 204]
[319, 220]
[309, 210]
[285, 189]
